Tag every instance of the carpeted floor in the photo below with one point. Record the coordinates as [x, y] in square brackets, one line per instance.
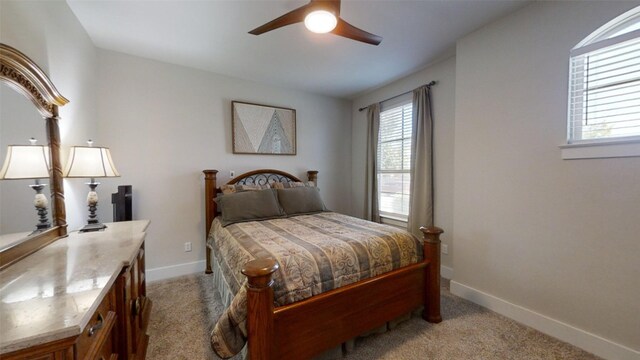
[185, 308]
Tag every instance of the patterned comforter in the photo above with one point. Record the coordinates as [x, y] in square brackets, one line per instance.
[316, 253]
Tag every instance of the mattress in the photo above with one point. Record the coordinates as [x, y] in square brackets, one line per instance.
[316, 253]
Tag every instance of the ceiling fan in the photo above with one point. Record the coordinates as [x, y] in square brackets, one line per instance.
[320, 16]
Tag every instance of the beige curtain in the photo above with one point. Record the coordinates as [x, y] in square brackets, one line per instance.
[421, 202]
[372, 212]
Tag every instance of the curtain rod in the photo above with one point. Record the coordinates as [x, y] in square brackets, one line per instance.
[429, 85]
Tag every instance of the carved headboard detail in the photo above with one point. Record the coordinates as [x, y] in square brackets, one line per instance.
[263, 177]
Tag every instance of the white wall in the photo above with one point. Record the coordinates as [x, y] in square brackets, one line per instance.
[443, 97]
[49, 33]
[166, 123]
[556, 237]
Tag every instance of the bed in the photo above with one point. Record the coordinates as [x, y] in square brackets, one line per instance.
[284, 322]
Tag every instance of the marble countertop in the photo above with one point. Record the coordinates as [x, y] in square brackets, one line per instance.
[52, 293]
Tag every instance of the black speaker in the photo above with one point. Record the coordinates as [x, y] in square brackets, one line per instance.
[122, 209]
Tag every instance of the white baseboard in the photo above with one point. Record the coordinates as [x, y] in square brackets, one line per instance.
[168, 272]
[565, 332]
[446, 272]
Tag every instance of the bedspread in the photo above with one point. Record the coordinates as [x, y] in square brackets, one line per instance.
[316, 253]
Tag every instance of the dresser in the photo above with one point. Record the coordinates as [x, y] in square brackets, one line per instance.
[81, 297]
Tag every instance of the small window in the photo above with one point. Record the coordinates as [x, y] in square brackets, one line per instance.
[604, 84]
[394, 158]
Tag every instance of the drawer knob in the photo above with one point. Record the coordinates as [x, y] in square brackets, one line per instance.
[135, 307]
[97, 326]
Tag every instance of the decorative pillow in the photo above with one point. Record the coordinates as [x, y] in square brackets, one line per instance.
[292, 184]
[234, 188]
[301, 200]
[249, 206]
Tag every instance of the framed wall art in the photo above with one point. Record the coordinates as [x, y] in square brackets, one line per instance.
[263, 129]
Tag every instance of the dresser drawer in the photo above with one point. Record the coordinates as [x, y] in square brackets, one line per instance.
[98, 332]
[108, 351]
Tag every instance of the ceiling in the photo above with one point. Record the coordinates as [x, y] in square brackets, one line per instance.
[212, 36]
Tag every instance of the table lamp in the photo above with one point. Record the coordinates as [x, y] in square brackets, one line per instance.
[90, 162]
[30, 162]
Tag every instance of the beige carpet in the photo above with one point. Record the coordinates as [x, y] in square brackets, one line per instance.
[185, 308]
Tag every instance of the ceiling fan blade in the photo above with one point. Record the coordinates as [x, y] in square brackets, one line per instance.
[292, 17]
[349, 31]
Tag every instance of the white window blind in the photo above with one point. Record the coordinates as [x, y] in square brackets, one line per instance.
[604, 86]
[394, 158]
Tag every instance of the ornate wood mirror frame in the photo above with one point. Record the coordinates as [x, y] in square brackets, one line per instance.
[24, 76]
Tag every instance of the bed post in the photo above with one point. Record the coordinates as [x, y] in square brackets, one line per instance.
[431, 248]
[260, 307]
[210, 209]
[312, 175]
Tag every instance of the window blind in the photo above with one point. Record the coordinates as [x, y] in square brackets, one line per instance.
[604, 89]
[394, 158]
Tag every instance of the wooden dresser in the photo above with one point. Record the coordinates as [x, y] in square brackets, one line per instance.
[81, 297]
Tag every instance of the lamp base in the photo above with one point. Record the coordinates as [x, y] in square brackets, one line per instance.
[92, 201]
[93, 227]
[40, 202]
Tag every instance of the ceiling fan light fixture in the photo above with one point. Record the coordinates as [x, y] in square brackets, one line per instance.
[320, 21]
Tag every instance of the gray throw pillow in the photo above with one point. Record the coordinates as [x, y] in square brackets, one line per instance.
[249, 206]
[301, 200]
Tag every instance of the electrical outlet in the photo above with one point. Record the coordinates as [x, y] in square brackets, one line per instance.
[232, 173]
[445, 249]
[187, 247]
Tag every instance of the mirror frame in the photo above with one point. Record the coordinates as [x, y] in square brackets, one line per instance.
[24, 76]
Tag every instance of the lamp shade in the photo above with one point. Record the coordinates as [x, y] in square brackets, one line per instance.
[25, 162]
[90, 162]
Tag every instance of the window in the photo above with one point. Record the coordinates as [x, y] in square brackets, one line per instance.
[394, 158]
[604, 84]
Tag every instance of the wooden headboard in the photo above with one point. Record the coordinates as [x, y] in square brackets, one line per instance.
[258, 177]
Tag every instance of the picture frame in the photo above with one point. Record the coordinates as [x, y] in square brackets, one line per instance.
[263, 129]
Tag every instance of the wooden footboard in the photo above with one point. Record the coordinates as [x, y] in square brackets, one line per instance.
[309, 327]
